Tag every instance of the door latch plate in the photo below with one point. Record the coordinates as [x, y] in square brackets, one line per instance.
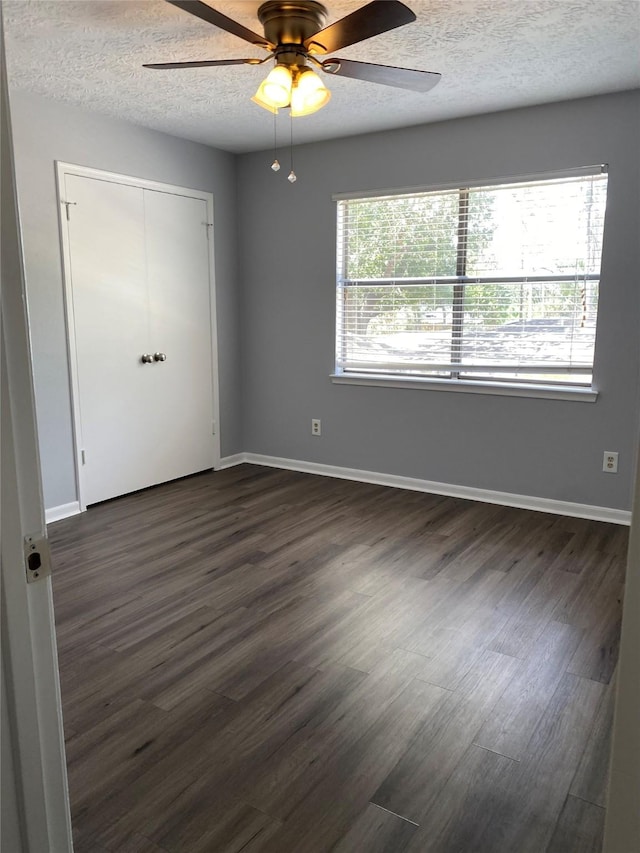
[37, 557]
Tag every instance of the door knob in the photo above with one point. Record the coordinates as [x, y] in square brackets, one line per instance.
[159, 356]
[147, 358]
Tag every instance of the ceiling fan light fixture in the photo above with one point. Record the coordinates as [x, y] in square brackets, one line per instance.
[262, 103]
[293, 31]
[309, 94]
[275, 90]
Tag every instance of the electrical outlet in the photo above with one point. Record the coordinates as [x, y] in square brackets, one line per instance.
[316, 426]
[610, 461]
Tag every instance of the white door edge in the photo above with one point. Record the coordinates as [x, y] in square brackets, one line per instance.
[29, 655]
[62, 170]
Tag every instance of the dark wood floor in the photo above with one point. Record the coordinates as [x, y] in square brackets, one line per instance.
[271, 662]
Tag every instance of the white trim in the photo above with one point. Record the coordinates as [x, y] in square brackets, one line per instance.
[596, 513]
[56, 513]
[579, 171]
[63, 169]
[28, 641]
[622, 822]
[213, 319]
[70, 327]
[575, 393]
[231, 461]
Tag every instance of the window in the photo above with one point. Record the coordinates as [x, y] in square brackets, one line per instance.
[493, 284]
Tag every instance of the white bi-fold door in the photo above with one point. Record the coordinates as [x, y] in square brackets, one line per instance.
[139, 294]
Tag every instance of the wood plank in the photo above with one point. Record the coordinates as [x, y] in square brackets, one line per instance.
[460, 606]
[466, 806]
[526, 560]
[135, 738]
[281, 692]
[351, 778]
[415, 782]
[236, 754]
[598, 607]
[539, 784]
[580, 828]
[84, 842]
[151, 793]
[219, 824]
[523, 703]
[376, 831]
[139, 619]
[137, 843]
[535, 612]
[532, 539]
[451, 657]
[252, 657]
[386, 617]
[591, 781]
[304, 759]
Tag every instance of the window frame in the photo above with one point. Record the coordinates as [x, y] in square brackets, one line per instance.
[465, 382]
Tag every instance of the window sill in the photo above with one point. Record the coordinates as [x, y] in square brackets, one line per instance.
[575, 393]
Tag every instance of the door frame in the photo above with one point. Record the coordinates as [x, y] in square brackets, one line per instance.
[32, 731]
[63, 169]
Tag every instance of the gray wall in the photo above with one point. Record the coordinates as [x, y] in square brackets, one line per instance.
[546, 448]
[45, 131]
[276, 334]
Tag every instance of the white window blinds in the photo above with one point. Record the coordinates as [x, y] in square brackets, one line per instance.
[492, 282]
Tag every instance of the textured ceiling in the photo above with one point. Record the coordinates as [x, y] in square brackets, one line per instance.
[492, 54]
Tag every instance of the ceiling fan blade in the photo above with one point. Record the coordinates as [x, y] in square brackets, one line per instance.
[370, 20]
[204, 63]
[387, 75]
[212, 16]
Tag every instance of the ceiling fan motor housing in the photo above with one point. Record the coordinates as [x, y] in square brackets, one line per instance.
[288, 23]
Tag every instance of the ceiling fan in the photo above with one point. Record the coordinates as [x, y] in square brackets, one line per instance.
[294, 37]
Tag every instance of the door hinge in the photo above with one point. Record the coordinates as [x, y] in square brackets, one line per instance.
[213, 427]
[67, 204]
[37, 557]
[83, 457]
[209, 227]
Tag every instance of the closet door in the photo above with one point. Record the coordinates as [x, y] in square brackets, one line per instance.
[139, 273]
[177, 250]
[111, 322]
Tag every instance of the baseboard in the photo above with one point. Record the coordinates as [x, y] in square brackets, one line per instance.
[56, 513]
[596, 513]
[230, 461]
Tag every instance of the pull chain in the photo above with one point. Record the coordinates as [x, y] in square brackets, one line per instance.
[275, 165]
[291, 177]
